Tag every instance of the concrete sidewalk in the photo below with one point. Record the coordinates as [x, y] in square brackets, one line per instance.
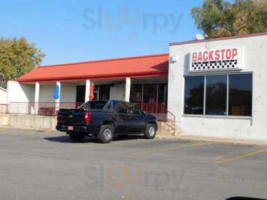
[214, 139]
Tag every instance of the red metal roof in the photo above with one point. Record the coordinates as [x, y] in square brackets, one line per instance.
[152, 65]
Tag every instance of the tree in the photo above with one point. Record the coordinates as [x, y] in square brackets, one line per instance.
[17, 57]
[219, 18]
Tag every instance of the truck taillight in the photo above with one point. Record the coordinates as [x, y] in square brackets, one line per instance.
[87, 117]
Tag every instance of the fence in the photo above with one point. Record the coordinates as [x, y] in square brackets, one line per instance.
[41, 108]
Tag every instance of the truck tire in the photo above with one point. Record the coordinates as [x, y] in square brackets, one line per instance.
[106, 133]
[76, 137]
[150, 131]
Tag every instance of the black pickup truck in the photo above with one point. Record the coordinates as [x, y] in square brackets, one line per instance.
[105, 119]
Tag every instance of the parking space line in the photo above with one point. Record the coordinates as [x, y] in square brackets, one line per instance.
[173, 147]
[239, 157]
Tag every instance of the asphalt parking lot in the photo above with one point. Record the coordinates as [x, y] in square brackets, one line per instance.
[46, 165]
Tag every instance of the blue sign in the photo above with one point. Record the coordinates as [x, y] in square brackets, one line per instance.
[56, 92]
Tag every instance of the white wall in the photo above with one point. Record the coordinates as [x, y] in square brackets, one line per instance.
[20, 92]
[68, 92]
[254, 60]
[117, 92]
[46, 93]
[3, 96]
[18, 97]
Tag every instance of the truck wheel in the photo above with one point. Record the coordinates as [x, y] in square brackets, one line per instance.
[106, 133]
[150, 131]
[76, 137]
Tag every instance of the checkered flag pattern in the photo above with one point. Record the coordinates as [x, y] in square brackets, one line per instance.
[214, 65]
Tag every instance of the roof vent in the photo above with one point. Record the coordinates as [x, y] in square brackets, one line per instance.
[200, 37]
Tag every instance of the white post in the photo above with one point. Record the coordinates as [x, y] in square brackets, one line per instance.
[57, 101]
[36, 97]
[87, 90]
[127, 89]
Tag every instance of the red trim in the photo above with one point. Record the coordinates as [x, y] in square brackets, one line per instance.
[218, 39]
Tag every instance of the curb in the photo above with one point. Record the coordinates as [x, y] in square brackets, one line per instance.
[215, 140]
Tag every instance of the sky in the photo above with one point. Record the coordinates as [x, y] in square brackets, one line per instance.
[82, 30]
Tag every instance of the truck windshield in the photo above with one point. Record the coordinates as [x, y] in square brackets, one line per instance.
[93, 105]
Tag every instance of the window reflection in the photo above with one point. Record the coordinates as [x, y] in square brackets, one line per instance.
[136, 93]
[240, 95]
[163, 93]
[216, 95]
[194, 95]
[150, 93]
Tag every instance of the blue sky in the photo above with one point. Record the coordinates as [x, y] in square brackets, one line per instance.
[82, 30]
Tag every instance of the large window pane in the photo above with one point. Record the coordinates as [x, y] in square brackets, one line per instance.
[150, 93]
[194, 95]
[163, 93]
[216, 95]
[136, 93]
[104, 92]
[240, 94]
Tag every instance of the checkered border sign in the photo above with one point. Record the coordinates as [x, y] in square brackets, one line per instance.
[214, 65]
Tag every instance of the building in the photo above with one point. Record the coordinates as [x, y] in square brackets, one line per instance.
[212, 87]
[217, 87]
[3, 96]
[142, 80]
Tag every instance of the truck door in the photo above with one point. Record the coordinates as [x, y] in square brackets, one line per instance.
[121, 117]
[136, 120]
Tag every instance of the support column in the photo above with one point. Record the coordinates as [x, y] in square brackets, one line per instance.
[57, 101]
[37, 92]
[36, 98]
[87, 90]
[127, 89]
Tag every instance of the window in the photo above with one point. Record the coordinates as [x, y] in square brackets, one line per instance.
[216, 94]
[104, 92]
[240, 95]
[93, 105]
[219, 92]
[163, 93]
[150, 93]
[132, 109]
[136, 93]
[120, 108]
[194, 95]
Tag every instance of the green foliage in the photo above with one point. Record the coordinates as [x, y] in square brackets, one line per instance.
[17, 57]
[219, 18]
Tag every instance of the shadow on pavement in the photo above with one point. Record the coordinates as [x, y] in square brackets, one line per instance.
[243, 198]
[65, 139]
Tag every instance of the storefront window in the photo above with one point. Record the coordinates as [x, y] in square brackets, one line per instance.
[136, 93]
[163, 93]
[240, 95]
[194, 95]
[80, 94]
[104, 92]
[150, 93]
[216, 95]
[215, 89]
